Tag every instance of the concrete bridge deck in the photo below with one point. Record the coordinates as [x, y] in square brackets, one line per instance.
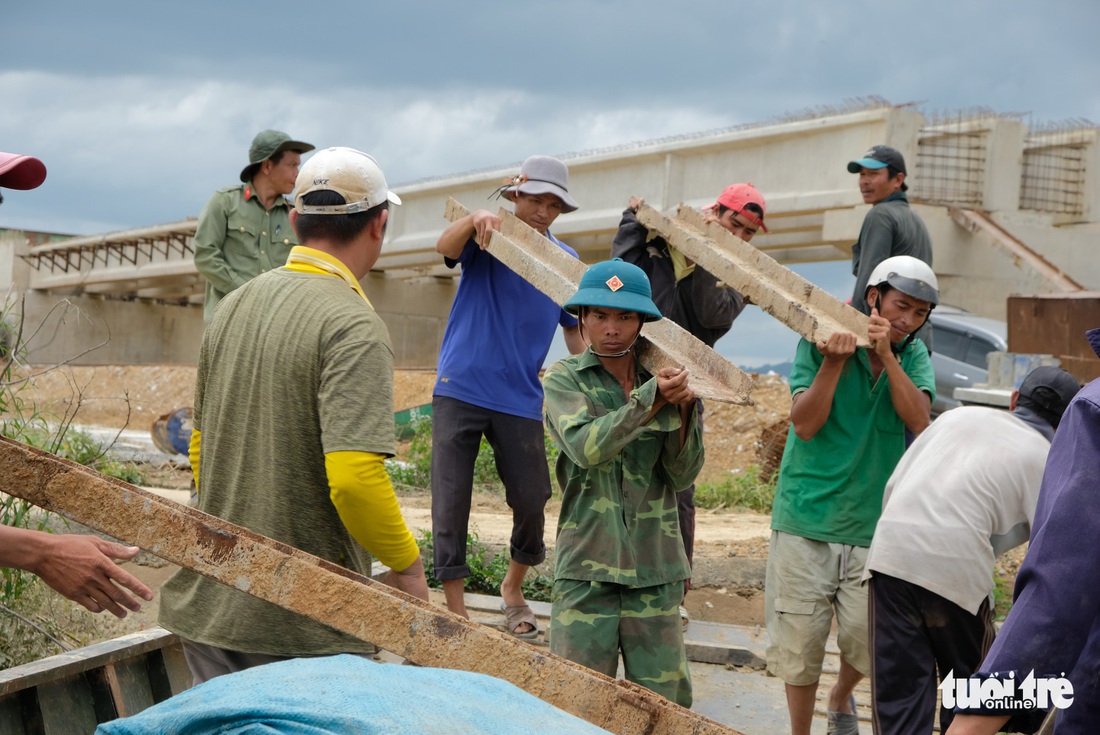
[1037, 190]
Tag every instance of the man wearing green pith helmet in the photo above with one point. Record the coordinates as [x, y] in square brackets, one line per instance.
[630, 440]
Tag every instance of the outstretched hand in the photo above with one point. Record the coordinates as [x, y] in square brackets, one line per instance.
[80, 568]
[673, 386]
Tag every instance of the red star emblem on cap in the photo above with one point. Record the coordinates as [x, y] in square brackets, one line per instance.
[614, 283]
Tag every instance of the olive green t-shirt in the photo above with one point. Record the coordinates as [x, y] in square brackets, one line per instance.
[293, 366]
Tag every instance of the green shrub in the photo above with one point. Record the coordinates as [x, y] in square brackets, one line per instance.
[125, 471]
[487, 570]
[1002, 595]
[34, 619]
[415, 471]
[744, 491]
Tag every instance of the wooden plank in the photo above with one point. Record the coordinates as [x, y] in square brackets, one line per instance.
[178, 676]
[807, 309]
[84, 659]
[662, 344]
[337, 597]
[67, 706]
[11, 714]
[130, 687]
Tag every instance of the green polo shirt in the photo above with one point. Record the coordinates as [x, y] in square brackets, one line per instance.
[619, 475]
[830, 487]
[237, 239]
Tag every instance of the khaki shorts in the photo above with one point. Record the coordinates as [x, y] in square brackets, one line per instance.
[806, 581]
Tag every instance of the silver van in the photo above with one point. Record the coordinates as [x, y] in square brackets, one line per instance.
[961, 342]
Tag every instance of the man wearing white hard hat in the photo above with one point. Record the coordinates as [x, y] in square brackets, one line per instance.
[849, 412]
[293, 420]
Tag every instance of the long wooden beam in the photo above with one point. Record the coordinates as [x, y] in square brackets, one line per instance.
[663, 343]
[335, 596]
[808, 310]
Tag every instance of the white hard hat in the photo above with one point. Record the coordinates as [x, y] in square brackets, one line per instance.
[909, 275]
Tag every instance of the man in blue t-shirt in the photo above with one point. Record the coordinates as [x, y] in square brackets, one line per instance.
[497, 338]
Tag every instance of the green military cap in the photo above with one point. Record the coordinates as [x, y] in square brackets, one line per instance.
[265, 145]
[615, 284]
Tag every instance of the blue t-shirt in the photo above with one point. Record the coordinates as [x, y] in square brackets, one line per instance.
[497, 336]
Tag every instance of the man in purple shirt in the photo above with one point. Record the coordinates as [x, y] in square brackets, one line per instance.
[1053, 629]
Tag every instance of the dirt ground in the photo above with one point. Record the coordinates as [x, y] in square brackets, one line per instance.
[135, 396]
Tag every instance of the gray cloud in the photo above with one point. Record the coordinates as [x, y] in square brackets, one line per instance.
[141, 110]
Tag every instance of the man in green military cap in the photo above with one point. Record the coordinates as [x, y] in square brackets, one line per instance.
[244, 230]
[630, 440]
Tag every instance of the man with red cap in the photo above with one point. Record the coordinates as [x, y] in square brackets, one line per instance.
[686, 293]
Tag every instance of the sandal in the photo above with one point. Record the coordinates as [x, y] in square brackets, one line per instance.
[842, 723]
[517, 615]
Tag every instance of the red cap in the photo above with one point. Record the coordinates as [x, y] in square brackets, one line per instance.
[736, 196]
[21, 172]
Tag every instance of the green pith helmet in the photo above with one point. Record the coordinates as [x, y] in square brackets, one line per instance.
[615, 284]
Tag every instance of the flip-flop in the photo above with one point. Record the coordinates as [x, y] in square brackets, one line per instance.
[517, 615]
[842, 723]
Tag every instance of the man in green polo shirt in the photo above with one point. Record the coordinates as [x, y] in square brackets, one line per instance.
[244, 230]
[848, 418]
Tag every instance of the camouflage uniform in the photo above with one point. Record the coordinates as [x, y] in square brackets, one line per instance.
[620, 559]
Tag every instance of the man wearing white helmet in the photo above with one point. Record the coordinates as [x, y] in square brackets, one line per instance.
[850, 409]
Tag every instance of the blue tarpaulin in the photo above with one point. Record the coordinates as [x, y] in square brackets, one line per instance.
[350, 695]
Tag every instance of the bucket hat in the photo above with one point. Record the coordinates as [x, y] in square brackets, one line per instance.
[541, 175]
[265, 145]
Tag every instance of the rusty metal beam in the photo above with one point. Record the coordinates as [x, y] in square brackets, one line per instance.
[335, 596]
[663, 343]
[808, 310]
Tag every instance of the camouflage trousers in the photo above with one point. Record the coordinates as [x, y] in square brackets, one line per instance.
[591, 623]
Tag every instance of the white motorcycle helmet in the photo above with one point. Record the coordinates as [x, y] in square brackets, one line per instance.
[909, 275]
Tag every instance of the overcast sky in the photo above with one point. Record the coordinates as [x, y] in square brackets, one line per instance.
[142, 109]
